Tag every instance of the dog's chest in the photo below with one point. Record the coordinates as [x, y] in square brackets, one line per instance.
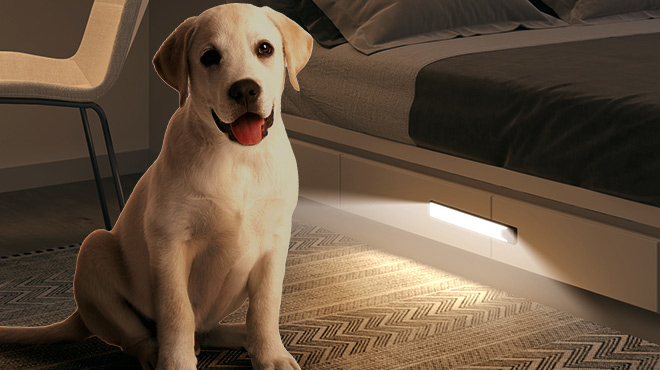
[229, 253]
[241, 204]
[247, 215]
[258, 188]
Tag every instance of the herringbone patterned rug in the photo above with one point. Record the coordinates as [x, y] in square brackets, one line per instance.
[346, 306]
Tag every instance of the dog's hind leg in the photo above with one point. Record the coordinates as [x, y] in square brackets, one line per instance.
[100, 284]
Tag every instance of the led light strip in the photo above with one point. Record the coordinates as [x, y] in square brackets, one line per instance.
[480, 225]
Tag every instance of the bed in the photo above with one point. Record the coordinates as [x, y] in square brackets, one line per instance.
[541, 115]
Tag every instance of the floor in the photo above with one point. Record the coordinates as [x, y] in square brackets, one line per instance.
[35, 219]
[59, 215]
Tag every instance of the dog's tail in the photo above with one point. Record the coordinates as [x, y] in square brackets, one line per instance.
[70, 330]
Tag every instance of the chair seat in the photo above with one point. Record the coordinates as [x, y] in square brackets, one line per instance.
[32, 76]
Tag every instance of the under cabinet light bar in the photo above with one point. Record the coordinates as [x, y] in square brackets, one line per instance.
[474, 223]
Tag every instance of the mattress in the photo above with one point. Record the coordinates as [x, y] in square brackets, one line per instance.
[578, 105]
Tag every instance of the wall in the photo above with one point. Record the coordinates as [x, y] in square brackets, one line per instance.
[46, 145]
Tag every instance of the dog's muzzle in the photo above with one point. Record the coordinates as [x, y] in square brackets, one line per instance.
[248, 129]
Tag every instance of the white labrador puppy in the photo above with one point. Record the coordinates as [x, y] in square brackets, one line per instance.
[208, 224]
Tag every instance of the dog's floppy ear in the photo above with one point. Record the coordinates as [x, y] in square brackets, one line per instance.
[297, 44]
[171, 59]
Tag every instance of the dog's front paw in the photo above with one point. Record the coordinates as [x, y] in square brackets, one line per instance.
[279, 359]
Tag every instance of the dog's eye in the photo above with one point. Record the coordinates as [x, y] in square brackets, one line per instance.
[210, 58]
[265, 49]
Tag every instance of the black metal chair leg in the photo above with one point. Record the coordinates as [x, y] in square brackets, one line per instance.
[111, 154]
[90, 145]
[95, 168]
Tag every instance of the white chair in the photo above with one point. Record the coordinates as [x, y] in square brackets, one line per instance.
[80, 80]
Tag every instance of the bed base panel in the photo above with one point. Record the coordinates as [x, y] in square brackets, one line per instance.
[590, 240]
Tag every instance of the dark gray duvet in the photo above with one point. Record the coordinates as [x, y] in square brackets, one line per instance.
[583, 113]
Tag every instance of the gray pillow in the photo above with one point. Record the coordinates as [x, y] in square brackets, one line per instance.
[375, 25]
[285, 7]
[603, 11]
[307, 15]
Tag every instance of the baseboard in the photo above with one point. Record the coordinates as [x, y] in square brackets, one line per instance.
[70, 170]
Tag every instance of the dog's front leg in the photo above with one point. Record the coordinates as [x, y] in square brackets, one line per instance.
[264, 344]
[174, 314]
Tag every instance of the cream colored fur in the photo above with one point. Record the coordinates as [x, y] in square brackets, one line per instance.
[208, 224]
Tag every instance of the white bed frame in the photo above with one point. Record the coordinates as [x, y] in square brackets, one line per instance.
[591, 240]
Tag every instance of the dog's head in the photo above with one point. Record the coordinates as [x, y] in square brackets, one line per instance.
[229, 62]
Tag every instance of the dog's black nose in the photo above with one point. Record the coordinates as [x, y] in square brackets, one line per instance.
[245, 91]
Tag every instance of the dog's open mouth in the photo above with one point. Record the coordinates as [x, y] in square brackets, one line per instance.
[248, 129]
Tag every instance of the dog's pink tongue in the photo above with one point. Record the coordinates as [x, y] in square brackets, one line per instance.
[247, 129]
